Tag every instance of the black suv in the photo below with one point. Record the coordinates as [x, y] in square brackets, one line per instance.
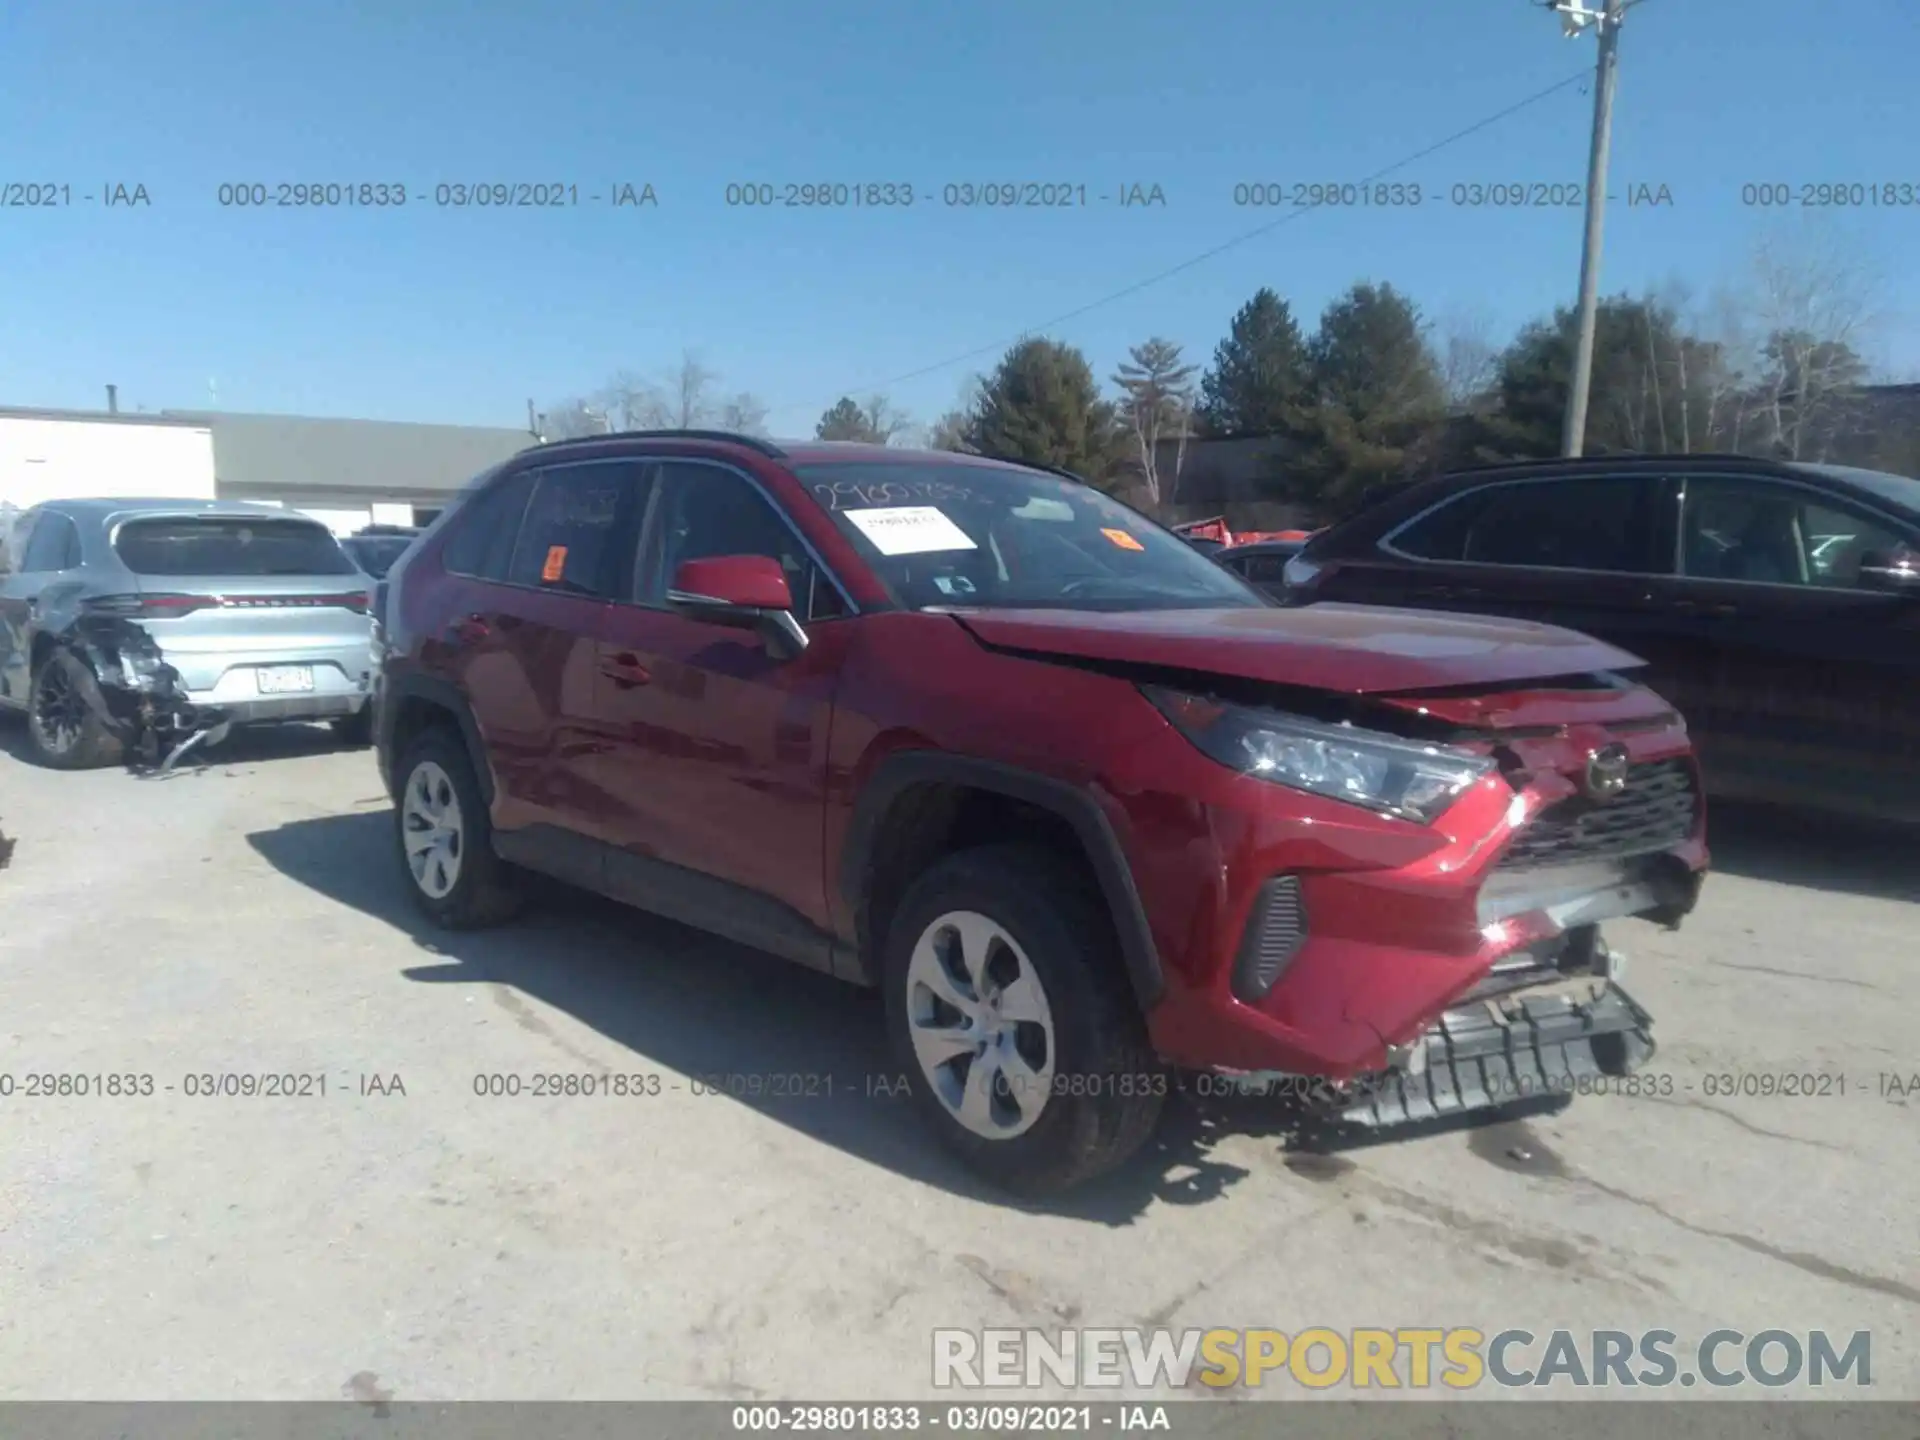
[1778, 604]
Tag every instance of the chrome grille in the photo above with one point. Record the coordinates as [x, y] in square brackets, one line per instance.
[1655, 812]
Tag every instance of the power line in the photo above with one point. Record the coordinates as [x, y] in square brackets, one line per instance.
[1224, 246]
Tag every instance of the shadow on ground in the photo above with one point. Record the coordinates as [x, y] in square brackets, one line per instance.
[1818, 852]
[247, 746]
[682, 1000]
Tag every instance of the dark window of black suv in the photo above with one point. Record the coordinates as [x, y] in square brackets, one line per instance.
[1765, 532]
[484, 529]
[1601, 523]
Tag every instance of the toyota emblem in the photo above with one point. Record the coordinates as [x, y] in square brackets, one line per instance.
[1606, 777]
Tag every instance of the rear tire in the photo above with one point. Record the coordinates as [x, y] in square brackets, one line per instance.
[443, 838]
[67, 716]
[1089, 1090]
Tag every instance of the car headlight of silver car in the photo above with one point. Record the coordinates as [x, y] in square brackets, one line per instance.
[1384, 773]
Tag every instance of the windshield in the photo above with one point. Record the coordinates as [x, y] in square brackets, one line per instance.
[204, 545]
[985, 537]
[376, 553]
[1895, 489]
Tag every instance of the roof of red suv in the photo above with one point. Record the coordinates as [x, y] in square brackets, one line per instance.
[790, 452]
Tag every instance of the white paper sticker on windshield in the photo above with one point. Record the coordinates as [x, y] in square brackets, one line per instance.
[910, 530]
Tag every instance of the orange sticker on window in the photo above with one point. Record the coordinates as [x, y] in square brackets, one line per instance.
[556, 565]
[1123, 539]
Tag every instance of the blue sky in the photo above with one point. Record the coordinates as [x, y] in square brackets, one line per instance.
[460, 315]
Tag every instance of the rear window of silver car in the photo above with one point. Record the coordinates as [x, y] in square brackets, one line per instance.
[207, 545]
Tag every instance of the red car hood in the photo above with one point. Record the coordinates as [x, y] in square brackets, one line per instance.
[1353, 649]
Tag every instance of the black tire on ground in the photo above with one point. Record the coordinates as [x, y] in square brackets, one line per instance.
[1054, 915]
[484, 891]
[354, 731]
[63, 683]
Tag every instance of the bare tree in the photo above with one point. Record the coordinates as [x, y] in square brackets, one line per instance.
[681, 398]
[631, 402]
[744, 412]
[885, 420]
[953, 430]
[570, 419]
[1157, 391]
[1469, 360]
[1816, 306]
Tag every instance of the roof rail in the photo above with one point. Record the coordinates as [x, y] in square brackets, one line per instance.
[729, 437]
[1617, 456]
[1059, 470]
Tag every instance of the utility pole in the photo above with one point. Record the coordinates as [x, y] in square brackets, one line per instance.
[1576, 18]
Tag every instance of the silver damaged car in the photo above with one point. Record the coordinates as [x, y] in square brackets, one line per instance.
[132, 627]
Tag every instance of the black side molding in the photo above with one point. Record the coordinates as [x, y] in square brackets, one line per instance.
[901, 772]
[443, 695]
[705, 902]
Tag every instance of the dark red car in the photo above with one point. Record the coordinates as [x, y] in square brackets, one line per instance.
[1088, 808]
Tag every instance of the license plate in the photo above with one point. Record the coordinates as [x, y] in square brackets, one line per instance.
[284, 679]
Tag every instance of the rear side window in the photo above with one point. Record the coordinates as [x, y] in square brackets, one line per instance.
[1602, 523]
[209, 545]
[569, 539]
[54, 545]
[483, 530]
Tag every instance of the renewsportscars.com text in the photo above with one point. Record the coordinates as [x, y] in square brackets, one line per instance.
[1460, 1358]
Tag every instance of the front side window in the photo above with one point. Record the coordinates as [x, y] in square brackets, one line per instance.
[1601, 523]
[707, 512]
[1734, 528]
[202, 546]
[976, 536]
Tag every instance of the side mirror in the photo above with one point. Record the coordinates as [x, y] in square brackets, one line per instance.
[742, 592]
[1891, 573]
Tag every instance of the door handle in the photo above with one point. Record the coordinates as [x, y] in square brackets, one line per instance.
[625, 669]
[1694, 607]
[469, 630]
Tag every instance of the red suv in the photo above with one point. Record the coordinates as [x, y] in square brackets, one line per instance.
[1089, 809]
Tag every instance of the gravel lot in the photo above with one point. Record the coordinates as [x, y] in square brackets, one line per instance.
[433, 1245]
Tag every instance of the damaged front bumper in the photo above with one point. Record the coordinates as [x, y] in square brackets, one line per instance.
[1535, 1031]
[1479, 1057]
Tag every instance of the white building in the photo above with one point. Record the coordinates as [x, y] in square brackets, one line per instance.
[347, 473]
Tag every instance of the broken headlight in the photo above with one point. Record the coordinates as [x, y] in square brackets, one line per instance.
[1384, 773]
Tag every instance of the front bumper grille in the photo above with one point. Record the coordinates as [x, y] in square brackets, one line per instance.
[1276, 929]
[1656, 811]
[1474, 1061]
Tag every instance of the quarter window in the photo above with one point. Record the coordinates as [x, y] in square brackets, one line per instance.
[54, 544]
[484, 529]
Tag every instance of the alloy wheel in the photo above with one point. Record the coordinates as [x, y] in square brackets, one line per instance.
[59, 710]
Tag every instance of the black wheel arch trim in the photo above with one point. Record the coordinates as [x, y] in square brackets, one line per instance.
[443, 695]
[904, 770]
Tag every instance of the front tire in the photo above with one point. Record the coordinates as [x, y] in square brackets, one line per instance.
[1009, 1011]
[67, 716]
[444, 838]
